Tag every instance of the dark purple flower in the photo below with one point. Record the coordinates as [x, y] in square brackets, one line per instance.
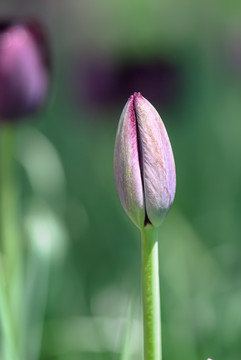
[100, 83]
[143, 163]
[24, 69]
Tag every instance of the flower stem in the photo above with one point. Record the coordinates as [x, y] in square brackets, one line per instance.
[151, 294]
[9, 274]
[7, 323]
[7, 238]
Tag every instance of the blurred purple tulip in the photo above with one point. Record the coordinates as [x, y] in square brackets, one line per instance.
[24, 69]
[100, 83]
[143, 163]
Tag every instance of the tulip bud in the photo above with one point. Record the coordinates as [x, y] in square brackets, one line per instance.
[24, 73]
[143, 163]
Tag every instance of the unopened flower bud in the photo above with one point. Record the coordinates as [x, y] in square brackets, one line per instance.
[24, 72]
[143, 163]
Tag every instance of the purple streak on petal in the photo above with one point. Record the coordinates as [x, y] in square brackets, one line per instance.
[127, 167]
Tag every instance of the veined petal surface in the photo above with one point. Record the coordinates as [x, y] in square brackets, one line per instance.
[127, 167]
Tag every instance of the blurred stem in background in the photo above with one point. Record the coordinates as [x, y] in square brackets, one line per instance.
[151, 294]
[22, 305]
[10, 271]
[9, 341]
[7, 235]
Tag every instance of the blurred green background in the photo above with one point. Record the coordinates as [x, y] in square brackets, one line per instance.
[185, 58]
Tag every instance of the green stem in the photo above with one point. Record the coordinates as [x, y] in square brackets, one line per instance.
[6, 190]
[35, 302]
[7, 323]
[9, 274]
[151, 294]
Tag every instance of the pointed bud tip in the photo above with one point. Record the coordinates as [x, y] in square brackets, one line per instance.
[134, 96]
